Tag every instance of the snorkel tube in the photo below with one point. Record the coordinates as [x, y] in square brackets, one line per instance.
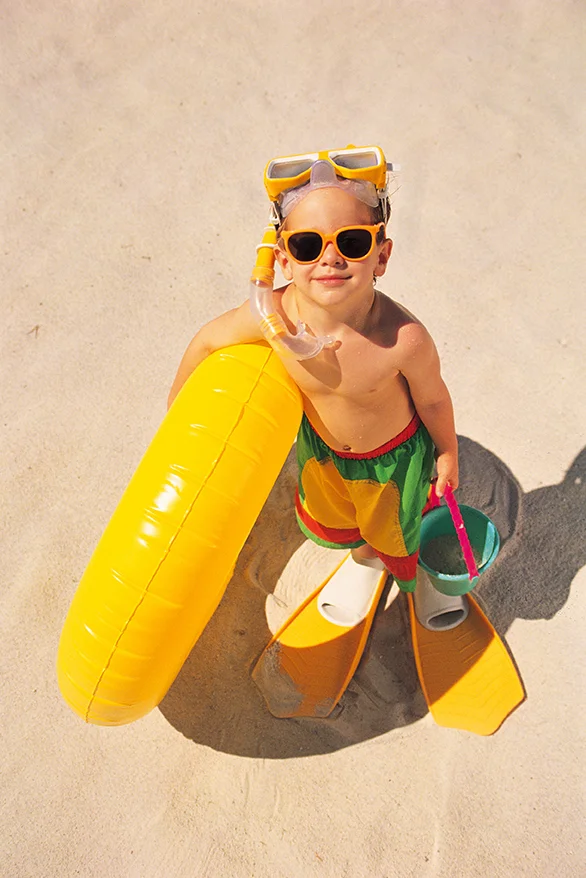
[302, 345]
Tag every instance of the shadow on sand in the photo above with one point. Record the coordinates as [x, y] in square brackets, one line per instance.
[214, 701]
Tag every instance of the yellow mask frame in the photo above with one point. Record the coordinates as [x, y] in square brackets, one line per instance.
[366, 163]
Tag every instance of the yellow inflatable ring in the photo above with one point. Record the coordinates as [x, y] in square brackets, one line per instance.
[163, 563]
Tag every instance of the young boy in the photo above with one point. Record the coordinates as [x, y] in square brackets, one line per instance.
[375, 405]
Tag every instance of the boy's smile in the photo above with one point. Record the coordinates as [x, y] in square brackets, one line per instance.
[332, 280]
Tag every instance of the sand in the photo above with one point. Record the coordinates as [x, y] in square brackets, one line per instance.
[134, 137]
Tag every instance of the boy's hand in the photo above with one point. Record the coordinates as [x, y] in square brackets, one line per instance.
[447, 472]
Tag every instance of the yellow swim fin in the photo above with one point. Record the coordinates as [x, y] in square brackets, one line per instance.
[309, 662]
[467, 676]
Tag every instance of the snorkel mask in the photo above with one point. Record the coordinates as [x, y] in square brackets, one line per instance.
[360, 171]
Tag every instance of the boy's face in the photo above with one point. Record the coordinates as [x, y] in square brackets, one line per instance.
[332, 280]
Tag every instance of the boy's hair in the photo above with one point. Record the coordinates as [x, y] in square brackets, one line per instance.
[377, 217]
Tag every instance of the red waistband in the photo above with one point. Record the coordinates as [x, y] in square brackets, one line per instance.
[405, 434]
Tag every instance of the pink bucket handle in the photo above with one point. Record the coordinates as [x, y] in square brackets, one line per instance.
[461, 533]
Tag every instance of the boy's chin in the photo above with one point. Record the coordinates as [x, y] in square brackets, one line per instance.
[331, 297]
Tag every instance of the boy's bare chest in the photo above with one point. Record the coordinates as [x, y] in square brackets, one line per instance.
[354, 372]
[355, 399]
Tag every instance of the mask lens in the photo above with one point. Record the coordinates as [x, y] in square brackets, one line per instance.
[354, 243]
[356, 160]
[305, 246]
[282, 170]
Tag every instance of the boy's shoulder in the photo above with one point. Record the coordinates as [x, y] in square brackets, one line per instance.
[406, 339]
[398, 325]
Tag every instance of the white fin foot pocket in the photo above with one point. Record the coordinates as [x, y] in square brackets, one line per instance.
[346, 599]
[437, 611]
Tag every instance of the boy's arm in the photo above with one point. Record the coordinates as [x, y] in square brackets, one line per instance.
[234, 327]
[420, 365]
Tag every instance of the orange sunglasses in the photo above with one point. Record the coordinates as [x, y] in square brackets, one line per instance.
[353, 243]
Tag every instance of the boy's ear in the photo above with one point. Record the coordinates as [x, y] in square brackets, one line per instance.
[383, 257]
[284, 262]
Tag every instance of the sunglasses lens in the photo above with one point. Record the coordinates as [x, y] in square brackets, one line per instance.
[305, 246]
[354, 243]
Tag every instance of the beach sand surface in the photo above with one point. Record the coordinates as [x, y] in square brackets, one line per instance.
[134, 139]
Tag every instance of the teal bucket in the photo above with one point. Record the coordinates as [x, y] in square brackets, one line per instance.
[483, 536]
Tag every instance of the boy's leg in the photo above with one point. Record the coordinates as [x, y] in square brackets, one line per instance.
[365, 552]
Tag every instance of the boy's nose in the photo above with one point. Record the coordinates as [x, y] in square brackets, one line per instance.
[331, 256]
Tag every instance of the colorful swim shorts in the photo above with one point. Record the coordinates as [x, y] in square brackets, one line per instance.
[345, 500]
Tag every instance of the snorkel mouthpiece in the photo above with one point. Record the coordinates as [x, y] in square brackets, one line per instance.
[302, 345]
